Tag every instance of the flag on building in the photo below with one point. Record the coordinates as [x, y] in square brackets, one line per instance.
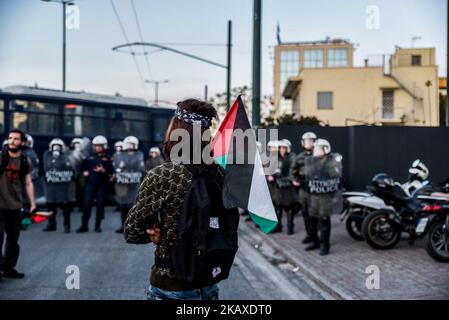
[245, 185]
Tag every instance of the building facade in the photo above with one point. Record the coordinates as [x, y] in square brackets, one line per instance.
[397, 89]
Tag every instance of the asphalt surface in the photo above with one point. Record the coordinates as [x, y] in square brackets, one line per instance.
[109, 268]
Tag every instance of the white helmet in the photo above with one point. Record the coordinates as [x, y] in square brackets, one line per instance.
[419, 170]
[30, 141]
[308, 135]
[118, 144]
[56, 142]
[323, 144]
[100, 140]
[156, 150]
[130, 140]
[286, 143]
[76, 140]
[273, 144]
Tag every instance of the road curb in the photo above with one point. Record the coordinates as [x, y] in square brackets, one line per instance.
[307, 271]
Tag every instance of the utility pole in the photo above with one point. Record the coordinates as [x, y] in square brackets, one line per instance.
[64, 6]
[228, 74]
[257, 23]
[205, 92]
[156, 89]
[447, 67]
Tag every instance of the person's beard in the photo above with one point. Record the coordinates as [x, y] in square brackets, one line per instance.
[13, 149]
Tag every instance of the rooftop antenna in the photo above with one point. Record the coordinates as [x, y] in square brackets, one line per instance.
[415, 38]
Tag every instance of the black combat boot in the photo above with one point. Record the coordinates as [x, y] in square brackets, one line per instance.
[306, 217]
[98, 226]
[325, 231]
[82, 228]
[50, 227]
[67, 222]
[279, 225]
[123, 215]
[290, 224]
[315, 243]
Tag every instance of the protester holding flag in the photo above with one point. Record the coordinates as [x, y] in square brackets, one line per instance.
[15, 173]
[165, 195]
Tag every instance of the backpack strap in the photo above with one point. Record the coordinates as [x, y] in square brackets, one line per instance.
[24, 166]
[4, 163]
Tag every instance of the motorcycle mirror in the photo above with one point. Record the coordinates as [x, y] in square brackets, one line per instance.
[415, 163]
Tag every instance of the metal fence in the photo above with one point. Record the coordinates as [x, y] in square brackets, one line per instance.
[368, 150]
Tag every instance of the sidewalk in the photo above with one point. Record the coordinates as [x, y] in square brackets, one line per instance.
[406, 272]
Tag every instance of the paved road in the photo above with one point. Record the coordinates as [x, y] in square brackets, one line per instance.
[112, 269]
[405, 272]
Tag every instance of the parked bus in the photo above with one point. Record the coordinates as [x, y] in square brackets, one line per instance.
[46, 113]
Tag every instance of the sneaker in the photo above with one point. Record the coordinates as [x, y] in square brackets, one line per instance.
[12, 273]
[66, 230]
[82, 229]
[119, 230]
[98, 230]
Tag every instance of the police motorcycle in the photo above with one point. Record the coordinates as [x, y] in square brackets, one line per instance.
[357, 205]
[424, 214]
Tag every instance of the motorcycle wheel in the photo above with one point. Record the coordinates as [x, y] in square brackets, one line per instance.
[354, 225]
[437, 242]
[379, 232]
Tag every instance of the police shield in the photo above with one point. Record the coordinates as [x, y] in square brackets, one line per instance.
[129, 168]
[323, 174]
[57, 169]
[59, 175]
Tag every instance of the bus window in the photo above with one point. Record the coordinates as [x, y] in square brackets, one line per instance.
[121, 114]
[34, 106]
[160, 125]
[36, 124]
[121, 129]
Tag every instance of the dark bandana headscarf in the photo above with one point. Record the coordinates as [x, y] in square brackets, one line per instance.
[193, 118]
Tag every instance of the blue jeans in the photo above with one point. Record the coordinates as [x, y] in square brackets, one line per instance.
[207, 293]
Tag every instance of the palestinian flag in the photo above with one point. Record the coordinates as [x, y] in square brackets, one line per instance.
[245, 185]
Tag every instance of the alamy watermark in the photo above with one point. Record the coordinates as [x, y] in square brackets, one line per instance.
[72, 20]
[72, 282]
[372, 21]
[372, 282]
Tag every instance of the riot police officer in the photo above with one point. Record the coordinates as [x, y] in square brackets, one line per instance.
[154, 160]
[118, 147]
[299, 180]
[129, 168]
[97, 169]
[78, 151]
[288, 201]
[323, 173]
[59, 175]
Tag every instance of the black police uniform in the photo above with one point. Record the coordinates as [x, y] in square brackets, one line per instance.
[96, 187]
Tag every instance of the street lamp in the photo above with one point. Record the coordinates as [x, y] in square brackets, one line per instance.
[64, 4]
[156, 88]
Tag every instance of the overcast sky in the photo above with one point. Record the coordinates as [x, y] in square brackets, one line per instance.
[31, 40]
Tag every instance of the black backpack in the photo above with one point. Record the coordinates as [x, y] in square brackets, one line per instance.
[24, 165]
[208, 238]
